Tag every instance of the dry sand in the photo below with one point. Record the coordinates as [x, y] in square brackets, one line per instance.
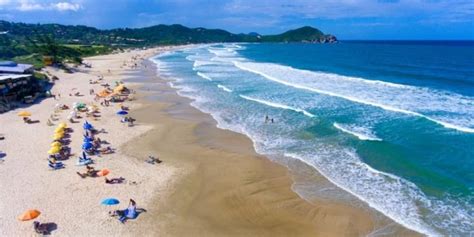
[211, 183]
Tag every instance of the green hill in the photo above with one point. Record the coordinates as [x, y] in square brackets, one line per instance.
[303, 34]
[28, 42]
[154, 35]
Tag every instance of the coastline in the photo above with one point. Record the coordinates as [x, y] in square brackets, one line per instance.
[265, 195]
[211, 183]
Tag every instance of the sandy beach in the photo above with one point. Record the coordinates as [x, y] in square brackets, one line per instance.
[211, 181]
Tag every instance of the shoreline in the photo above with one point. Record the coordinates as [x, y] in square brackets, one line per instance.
[212, 138]
[211, 181]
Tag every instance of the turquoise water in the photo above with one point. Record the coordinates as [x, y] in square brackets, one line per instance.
[390, 122]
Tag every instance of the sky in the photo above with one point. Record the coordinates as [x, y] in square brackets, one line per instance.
[347, 19]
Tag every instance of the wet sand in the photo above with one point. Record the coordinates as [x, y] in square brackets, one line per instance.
[225, 188]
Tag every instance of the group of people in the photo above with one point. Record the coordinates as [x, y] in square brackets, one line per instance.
[268, 119]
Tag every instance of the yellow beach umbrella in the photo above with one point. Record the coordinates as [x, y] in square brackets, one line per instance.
[59, 130]
[119, 88]
[24, 114]
[57, 136]
[62, 125]
[54, 150]
[56, 143]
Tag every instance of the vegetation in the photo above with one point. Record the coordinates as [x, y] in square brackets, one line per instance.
[30, 42]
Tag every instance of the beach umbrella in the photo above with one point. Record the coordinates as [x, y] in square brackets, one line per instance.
[87, 126]
[56, 147]
[87, 139]
[78, 105]
[56, 144]
[103, 172]
[110, 201]
[59, 130]
[103, 93]
[62, 125]
[87, 146]
[54, 150]
[122, 112]
[24, 114]
[57, 136]
[29, 215]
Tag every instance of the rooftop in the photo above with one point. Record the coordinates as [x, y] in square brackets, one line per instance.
[13, 67]
[4, 77]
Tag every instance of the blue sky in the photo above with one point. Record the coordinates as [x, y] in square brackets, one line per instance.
[347, 19]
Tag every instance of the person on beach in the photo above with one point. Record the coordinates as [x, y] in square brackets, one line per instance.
[114, 180]
[130, 121]
[130, 212]
[91, 172]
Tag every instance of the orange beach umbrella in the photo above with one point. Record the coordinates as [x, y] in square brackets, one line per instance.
[103, 172]
[103, 93]
[29, 215]
[24, 114]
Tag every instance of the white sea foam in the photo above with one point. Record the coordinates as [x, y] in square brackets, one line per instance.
[202, 75]
[409, 100]
[224, 88]
[225, 52]
[380, 190]
[360, 132]
[280, 106]
[199, 63]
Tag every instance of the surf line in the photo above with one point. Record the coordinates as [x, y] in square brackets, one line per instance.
[385, 107]
[280, 106]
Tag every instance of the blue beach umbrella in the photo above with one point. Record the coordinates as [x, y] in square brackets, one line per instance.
[87, 145]
[87, 126]
[122, 112]
[110, 201]
[87, 139]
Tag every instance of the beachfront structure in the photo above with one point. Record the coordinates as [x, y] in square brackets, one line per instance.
[10, 67]
[16, 87]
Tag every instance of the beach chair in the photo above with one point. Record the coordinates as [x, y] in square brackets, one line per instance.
[56, 166]
[83, 162]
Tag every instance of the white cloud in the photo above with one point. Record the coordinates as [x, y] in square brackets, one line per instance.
[65, 6]
[30, 6]
[36, 5]
[4, 2]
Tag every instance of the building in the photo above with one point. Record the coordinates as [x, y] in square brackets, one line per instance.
[9, 67]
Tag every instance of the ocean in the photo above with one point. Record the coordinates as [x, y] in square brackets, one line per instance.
[390, 122]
